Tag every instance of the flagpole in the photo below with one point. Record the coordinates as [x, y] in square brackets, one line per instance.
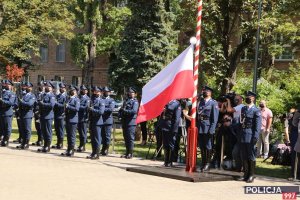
[193, 131]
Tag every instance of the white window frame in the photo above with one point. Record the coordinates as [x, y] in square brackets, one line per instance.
[61, 41]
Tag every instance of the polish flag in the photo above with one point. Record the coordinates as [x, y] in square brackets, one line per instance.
[174, 82]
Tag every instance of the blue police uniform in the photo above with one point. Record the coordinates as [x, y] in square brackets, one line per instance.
[59, 119]
[207, 119]
[128, 115]
[17, 114]
[108, 122]
[251, 121]
[26, 105]
[6, 114]
[96, 122]
[72, 109]
[37, 120]
[46, 106]
[82, 121]
[169, 123]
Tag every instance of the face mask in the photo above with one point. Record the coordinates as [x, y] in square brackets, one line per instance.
[28, 90]
[106, 95]
[71, 93]
[47, 90]
[261, 105]
[204, 94]
[248, 100]
[236, 101]
[5, 87]
[61, 91]
[82, 93]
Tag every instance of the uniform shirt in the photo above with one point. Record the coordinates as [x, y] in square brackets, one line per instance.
[130, 109]
[26, 105]
[7, 104]
[83, 110]
[109, 107]
[59, 107]
[250, 123]
[170, 118]
[266, 114]
[207, 116]
[97, 110]
[46, 105]
[72, 109]
[237, 113]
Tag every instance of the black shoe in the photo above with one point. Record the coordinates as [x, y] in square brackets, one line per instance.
[126, 154]
[4, 142]
[246, 172]
[208, 159]
[45, 148]
[81, 149]
[104, 150]
[166, 157]
[59, 144]
[69, 152]
[251, 171]
[95, 155]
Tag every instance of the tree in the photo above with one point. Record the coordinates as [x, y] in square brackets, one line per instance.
[100, 24]
[14, 73]
[148, 45]
[225, 20]
[24, 25]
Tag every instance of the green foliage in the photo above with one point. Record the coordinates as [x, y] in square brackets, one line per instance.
[148, 45]
[26, 23]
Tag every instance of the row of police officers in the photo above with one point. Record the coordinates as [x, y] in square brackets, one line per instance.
[70, 110]
[206, 120]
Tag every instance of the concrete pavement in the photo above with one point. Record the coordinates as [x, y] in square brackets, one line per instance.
[28, 175]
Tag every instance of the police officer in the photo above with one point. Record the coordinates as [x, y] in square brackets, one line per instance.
[250, 129]
[59, 116]
[26, 105]
[83, 118]
[72, 108]
[207, 118]
[96, 111]
[107, 120]
[169, 123]
[7, 102]
[128, 114]
[37, 114]
[21, 93]
[46, 106]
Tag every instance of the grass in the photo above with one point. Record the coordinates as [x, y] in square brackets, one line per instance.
[262, 168]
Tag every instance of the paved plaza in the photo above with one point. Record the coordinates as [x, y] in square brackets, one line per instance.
[29, 175]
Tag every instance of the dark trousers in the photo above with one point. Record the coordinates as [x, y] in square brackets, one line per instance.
[144, 130]
[19, 124]
[6, 125]
[26, 127]
[82, 130]
[158, 136]
[106, 134]
[37, 124]
[168, 140]
[59, 125]
[237, 156]
[71, 134]
[46, 126]
[248, 151]
[129, 135]
[95, 136]
[205, 141]
[293, 140]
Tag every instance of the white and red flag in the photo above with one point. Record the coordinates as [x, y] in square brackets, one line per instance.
[174, 82]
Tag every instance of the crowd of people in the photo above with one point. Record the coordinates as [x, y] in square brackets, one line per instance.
[71, 109]
[230, 128]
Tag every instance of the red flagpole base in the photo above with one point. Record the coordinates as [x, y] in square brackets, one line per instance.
[191, 157]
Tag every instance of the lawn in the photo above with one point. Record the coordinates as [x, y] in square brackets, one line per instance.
[262, 168]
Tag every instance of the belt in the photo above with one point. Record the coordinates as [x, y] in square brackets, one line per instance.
[202, 117]
[246, 126]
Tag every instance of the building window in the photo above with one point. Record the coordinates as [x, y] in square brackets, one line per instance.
[61, 51]
[287, 53]
[76, 80]
[44, 52]
[120, 3]
[41, 78]
[58, 78]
